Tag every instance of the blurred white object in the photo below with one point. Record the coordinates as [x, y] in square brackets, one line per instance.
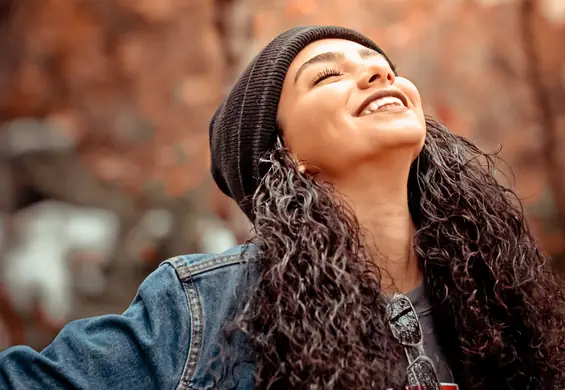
[214, 237]
[158, 223]
[152, 228]
[28, 135]
[36, 266]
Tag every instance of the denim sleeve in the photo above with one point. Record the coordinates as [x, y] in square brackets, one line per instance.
[144, 348]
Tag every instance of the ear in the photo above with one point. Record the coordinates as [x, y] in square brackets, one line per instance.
[305, 168]
[300, 165]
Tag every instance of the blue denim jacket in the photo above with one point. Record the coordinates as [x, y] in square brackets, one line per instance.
[164, 340]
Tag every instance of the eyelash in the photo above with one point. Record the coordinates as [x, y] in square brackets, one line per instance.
[325, 74]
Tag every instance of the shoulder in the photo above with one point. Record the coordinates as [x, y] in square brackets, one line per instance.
[234, 259]
[214, 285]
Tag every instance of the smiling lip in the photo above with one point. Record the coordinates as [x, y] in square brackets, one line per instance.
[380, 94]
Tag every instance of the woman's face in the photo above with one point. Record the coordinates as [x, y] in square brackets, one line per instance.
[342, 106]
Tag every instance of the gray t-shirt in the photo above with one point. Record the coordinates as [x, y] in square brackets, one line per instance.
[431, 346]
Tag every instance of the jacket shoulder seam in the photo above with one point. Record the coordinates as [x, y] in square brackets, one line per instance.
[187, 270]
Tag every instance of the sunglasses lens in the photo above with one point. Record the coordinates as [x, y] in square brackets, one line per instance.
[403, 321]
[422, 375]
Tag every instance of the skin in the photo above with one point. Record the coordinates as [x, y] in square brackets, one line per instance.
[366, 158]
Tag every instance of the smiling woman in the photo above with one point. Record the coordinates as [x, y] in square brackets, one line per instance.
[385, 255]
[357, 198]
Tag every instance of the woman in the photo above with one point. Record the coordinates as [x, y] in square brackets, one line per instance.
[385, 252]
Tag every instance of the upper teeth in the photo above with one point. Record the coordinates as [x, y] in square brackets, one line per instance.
[376, 104]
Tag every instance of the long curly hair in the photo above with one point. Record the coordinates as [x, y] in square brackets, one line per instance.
[315, 319]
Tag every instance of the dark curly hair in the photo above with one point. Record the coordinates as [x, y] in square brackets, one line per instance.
[315, 319]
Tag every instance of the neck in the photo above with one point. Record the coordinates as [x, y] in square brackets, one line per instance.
[384, 217]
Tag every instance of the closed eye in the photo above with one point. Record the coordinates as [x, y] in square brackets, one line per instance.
[326, 73]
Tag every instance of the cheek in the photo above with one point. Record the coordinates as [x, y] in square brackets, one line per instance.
[410, 90]
[315, 117]
[327, 99]
[413, 95]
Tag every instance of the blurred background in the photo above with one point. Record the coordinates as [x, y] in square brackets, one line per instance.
[104, 110]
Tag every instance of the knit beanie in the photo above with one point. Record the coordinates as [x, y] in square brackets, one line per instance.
[244, 127]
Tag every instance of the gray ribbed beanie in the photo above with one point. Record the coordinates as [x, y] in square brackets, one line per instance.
[244, 127]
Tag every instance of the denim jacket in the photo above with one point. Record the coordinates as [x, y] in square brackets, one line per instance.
[164, 340]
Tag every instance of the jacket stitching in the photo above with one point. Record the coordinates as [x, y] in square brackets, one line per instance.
[195, 269]
[196, 334]
[186, 271]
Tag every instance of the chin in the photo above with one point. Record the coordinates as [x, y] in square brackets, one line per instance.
[401, 136]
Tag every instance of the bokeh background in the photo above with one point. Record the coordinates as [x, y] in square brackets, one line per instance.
[104, 110]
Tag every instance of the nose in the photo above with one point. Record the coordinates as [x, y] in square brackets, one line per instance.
[375, 74]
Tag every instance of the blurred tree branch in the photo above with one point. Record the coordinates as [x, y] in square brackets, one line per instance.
[542, 102]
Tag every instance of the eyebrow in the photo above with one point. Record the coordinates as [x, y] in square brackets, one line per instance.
[333, 56]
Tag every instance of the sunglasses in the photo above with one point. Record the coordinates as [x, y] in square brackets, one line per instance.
[406, 329]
